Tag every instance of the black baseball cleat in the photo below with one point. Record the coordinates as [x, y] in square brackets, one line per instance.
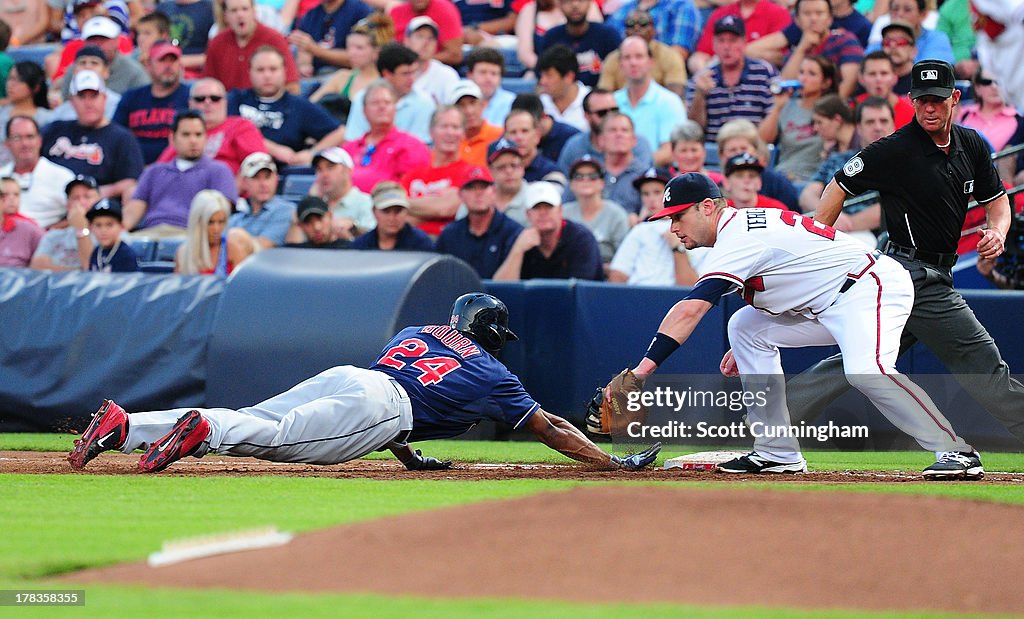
[184, 439]
[954, 465]
[107, 430]
[753, 463]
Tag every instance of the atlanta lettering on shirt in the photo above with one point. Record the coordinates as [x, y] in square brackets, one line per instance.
[152, 116]
[458, 343]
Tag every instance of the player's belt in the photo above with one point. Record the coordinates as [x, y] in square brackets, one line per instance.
[913, 253]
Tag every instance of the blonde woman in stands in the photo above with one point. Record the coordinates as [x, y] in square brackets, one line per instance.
[210, 248]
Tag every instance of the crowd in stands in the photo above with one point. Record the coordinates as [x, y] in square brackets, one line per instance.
[530, 138]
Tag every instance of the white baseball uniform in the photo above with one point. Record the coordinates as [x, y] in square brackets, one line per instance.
[809, 285]
[1000, 44]
[338, 415]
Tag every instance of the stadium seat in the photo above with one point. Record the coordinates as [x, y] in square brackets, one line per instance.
[33, 53]
[519, 85]
[144, 248]
[167, 248]
[297, 185]
[711, 157]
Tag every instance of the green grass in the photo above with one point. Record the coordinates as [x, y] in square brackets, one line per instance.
[55, 517]
[519, 452]
[123, 601]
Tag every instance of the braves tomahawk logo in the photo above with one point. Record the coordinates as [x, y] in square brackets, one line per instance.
[90, 153]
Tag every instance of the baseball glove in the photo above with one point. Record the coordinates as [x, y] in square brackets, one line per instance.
[614, 413]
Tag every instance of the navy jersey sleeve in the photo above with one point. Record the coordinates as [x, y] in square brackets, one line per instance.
[316, 122]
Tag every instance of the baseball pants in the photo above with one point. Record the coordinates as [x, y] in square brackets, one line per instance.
[338, 415]
[944, 323]
[866, 322]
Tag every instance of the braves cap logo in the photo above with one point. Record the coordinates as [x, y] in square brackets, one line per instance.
[668, 196]
[929, 74]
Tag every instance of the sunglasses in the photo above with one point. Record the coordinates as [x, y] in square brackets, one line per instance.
[633, 22]
[586, 176]
[368, 155]
[212, 98]
[604, 112]
[896, 43]
[984, 81]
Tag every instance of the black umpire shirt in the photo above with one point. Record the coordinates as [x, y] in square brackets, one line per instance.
[924, 192]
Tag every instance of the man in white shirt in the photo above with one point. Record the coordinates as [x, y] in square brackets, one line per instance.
[42, 182]
[561, 93]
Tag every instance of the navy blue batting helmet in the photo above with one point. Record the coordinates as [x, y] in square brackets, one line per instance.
[484, 319]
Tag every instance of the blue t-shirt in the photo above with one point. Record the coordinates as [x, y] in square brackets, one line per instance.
[409, 239]
[543, 169]
[484, 253]
[330, 29]
[121, 260]
[576, 255]
[288, 121]
[856, 24]
[108, 154]
[150, 118]
[452, 382]
[597, 42]
[190, 24]
[551, 144]
[478, 11]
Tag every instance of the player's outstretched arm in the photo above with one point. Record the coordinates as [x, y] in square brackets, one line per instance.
[565, 438]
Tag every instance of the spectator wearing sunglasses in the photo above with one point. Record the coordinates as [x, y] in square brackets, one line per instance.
[678, 23]
[596, 105]
[383, 153]
[606, 219]
[899, 42]
[668, 69]
[229, 139]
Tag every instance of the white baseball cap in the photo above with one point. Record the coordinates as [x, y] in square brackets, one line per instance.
[543, 192]
[335, 154]
[87, 80]
[255, 162]
[419, 22]
[101, 26]
[464, 88]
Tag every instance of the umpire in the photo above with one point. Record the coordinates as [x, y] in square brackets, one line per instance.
[926, 173]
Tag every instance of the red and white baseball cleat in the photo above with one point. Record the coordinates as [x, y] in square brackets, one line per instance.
[107, 430]
[184, 439]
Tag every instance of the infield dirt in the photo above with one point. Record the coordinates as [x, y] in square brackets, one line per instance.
[731, 545]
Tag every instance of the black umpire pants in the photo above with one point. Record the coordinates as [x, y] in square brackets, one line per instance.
[943, 322]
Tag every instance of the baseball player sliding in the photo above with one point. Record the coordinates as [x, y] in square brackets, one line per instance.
[429, 382]
[806, 284]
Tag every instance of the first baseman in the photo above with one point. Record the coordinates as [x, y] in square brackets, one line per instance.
[806, 284]
[429, 382]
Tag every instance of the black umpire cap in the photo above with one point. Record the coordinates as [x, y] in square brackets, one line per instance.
[684, 191]
[932, 77]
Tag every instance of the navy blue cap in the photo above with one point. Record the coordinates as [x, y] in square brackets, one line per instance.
[660, 175]
[111, 208]
[742, 161]
[81, 179]
[684, 191]
[499, 148]
[586, 159]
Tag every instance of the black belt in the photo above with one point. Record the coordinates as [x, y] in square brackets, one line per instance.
[912, 253]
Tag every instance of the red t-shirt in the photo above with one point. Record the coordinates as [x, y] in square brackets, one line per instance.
[230, 63]
[903, 111]
[448, 18]
[427, 181]
[234, 140]
[764, 202]
[767, 18]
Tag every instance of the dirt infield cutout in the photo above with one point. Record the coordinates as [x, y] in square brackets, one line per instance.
[728, 546]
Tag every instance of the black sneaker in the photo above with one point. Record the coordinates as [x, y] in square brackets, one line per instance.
[956, 465]
[753, 463]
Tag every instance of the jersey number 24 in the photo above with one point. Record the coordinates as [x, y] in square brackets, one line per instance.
[432, 369]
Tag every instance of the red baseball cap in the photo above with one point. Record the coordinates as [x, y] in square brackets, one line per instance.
[477, 174]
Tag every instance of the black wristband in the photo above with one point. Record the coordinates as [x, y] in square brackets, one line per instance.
[662, 346]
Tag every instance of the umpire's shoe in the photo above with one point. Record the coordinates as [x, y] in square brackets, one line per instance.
[953, 465]
[107, 430]
[753, 463]
[184, 439]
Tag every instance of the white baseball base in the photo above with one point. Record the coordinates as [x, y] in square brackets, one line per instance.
[702, 461]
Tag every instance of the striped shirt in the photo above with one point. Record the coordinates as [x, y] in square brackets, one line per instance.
[750, 98]
[675, 23]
